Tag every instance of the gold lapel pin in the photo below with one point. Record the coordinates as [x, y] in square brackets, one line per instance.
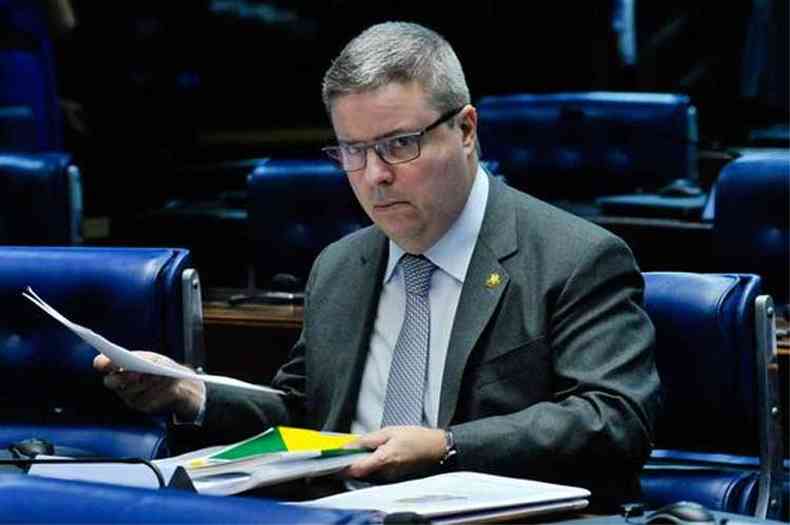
[493, 280]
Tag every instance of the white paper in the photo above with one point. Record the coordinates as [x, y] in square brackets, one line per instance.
[453, 493]
[129, 474]
[277, 472]
[131, 362]
[241, 475]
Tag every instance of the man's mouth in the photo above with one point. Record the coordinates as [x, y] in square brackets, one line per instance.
[388, 205]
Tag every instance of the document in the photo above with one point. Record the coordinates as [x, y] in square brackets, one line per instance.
[116, 473]
[277, 455]
[231, 482]
[131, 362]
[461, 497]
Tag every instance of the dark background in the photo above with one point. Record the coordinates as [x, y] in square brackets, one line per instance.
[167, 87]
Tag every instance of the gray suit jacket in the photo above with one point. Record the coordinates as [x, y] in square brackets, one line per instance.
[549, 375]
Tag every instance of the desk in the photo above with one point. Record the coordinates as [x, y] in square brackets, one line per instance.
[247, 341]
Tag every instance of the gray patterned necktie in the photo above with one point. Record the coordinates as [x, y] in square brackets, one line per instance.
[403, 402]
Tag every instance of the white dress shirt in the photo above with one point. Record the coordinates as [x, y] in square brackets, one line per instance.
[451, 254]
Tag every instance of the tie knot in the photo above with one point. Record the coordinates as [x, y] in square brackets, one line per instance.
[417, 272]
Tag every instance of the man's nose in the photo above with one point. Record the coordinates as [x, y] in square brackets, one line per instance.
[376, 170]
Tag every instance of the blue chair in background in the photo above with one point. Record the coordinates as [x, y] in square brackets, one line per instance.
[751, 221]
[718, 440]
[295, 209]
[206, 208]
[579, 146]
[139, 298]
[40, 199]
[30, 116]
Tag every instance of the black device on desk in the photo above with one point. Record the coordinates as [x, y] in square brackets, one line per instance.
[30, 448]
[284, 289]
[23, 454]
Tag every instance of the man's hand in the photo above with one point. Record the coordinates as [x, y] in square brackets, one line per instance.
[154, 394]
[399, 451]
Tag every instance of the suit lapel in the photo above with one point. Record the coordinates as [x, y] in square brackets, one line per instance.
[358, 303]
[485, 283]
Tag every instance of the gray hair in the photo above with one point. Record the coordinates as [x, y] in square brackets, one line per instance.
[398, 52]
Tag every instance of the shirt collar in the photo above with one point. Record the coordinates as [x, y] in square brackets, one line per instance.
[453, 251]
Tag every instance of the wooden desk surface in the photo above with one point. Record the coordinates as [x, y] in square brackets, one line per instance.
[218, 311]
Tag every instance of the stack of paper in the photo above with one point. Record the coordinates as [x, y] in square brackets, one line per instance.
[276, 455]
[462, 497]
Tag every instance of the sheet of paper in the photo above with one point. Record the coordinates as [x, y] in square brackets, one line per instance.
[132, 475]
[130, 361]
[452, 493]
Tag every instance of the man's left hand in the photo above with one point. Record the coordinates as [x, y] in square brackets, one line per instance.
[399, 451]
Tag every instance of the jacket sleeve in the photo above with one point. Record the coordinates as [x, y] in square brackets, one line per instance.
[234, 414]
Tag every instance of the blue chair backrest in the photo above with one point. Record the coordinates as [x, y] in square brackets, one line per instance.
[40, 199]
[131, 296]
[587, 144]
[718, 440]
[30, 116]
[705, 354]
[295, 209]
[751, 224]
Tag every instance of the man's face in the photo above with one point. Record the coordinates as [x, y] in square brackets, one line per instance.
[416, 202]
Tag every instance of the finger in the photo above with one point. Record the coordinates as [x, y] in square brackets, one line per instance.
[366, 466]
[103, 364]
[381, 463]
[372, 441]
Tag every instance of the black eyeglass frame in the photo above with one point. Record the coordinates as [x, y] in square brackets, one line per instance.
[335, 152]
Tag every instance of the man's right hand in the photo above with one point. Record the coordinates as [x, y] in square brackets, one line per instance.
[154, 394]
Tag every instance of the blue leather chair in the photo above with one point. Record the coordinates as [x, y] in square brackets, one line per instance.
[30, 116]
[140, 298]
[30, 499]
[582, 145]
[751, 220]
[206, 206]
[40, 199]
[295, 209]
[717, 440]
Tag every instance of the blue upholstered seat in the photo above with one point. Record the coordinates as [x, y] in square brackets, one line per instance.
[30, 499]
[30, 117]
[295, 209]
[751, 224]
[40, 199]
[716, 440]
[140, 298]
[584, 145]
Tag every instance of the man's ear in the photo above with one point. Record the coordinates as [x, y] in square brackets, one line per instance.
[468, 125]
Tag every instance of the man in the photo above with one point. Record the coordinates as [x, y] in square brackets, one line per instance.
[539, 357]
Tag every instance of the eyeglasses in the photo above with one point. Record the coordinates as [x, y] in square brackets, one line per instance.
[392, 150]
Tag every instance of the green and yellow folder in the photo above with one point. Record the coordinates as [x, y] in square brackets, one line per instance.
[276, 444]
